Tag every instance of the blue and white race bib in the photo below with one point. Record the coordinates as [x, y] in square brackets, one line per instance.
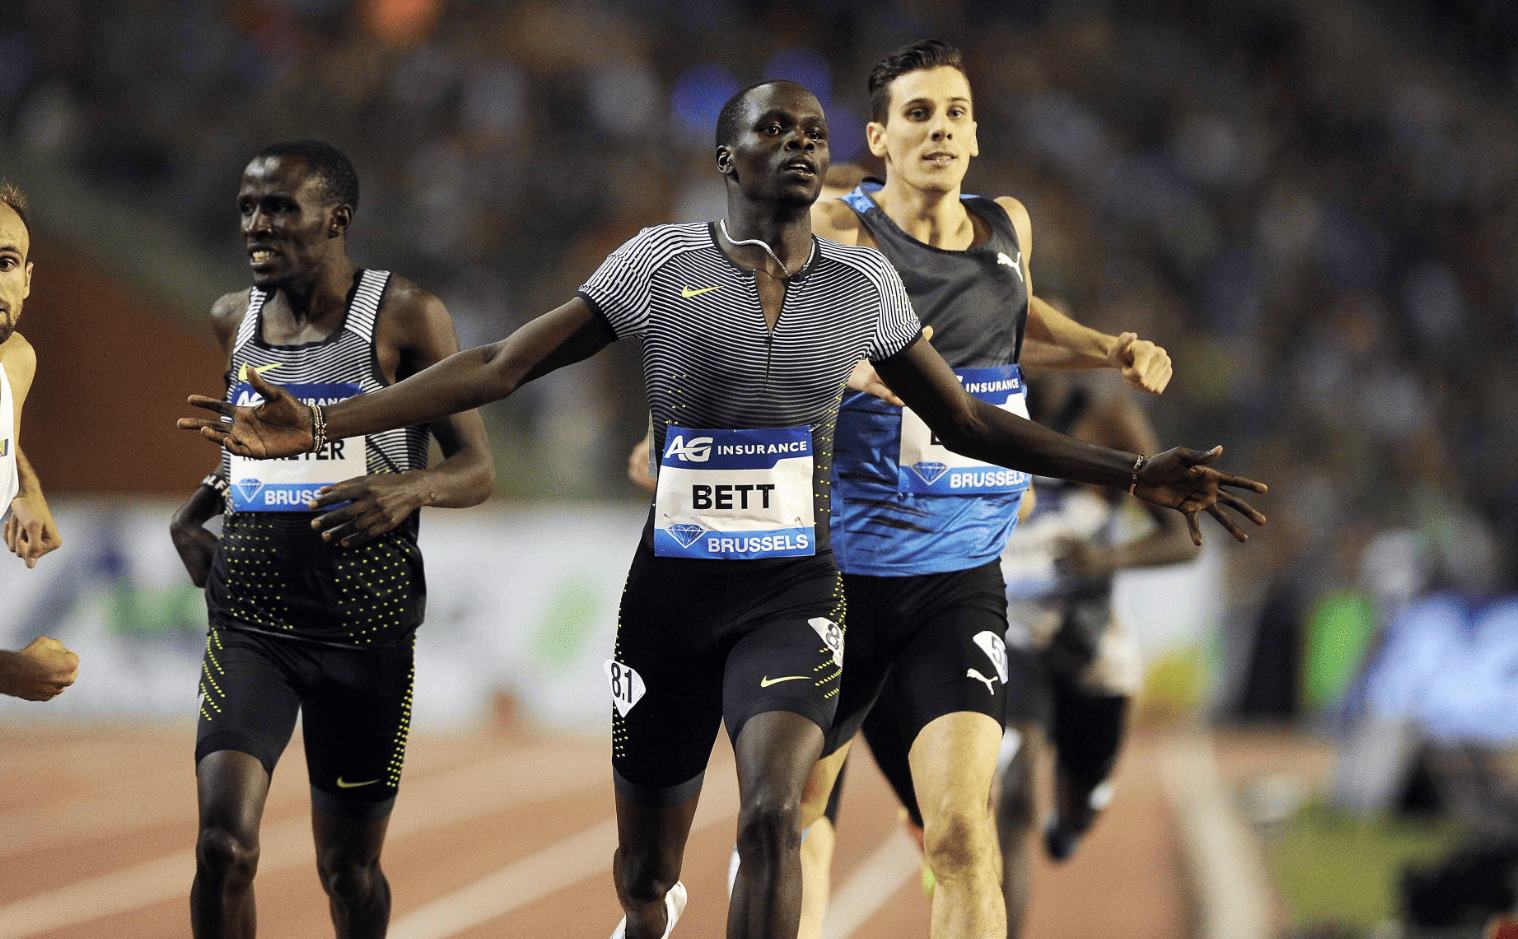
[290, 483]
[735, 494]
[926, 466]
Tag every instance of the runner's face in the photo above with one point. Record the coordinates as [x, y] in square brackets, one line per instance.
[288, 223]
[928, 137]
[15, 269]
[781, 151]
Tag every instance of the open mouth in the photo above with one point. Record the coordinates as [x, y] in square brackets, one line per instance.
[805, 168]
[939, 159]
[260, 255]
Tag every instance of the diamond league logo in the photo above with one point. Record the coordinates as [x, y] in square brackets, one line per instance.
[930, 473]
[249, 487]
[687, 535]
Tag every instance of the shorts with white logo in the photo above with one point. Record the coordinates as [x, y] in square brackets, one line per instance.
[703, 642]
[355, 707]
[941, 637]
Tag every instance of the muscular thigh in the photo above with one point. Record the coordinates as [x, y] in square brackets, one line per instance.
[250, 691]
[356, 717]
[665, 679]
[954, 659]
[787, 652]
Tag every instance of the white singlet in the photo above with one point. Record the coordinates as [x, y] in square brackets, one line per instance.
[8, 480]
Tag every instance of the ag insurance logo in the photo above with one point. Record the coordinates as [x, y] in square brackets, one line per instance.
[699, 450]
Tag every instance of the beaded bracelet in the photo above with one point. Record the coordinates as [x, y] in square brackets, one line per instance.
[1138, 467]
[318, 428]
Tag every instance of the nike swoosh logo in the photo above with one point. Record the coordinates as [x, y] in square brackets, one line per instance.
[242, 373]
[687, 292]
[348, 785]
[766, 681]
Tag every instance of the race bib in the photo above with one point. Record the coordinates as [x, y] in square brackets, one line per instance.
[735, 494]
[927, 466]
[290, 483]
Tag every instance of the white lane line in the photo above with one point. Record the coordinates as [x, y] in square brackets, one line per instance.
[1232, 888]
[873, 885]
[471, 791]
[559, 865]
[562, 864]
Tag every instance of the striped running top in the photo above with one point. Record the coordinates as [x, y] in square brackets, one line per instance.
[271, 572]
[711, 361]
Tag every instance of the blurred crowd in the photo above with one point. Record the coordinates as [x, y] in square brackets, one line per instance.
[1311, 204]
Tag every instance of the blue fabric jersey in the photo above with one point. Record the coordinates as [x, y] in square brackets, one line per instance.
[901, 511]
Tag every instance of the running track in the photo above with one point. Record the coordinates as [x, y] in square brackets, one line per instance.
[493, 836]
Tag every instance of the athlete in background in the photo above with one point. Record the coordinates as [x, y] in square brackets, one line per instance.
[919, 529]
[704, 615]
[45, 667]
[1077, 659]
[315, 587]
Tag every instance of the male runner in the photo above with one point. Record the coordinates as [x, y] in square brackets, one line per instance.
[919, 529]
[1077, 659]
[309, 612]
[733, 610]
[44, 668]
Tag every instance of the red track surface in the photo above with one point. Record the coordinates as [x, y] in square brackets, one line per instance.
[97, 829]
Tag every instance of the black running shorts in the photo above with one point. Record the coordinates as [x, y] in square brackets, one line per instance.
[355, 706]
[942, 635]
[702, 642]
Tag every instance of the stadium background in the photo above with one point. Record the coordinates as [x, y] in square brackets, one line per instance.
[1312, 205]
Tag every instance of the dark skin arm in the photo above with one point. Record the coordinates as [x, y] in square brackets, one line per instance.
[192, 540]
[1178, 479]
[281, 426]
[1119, 422]
[415, 333]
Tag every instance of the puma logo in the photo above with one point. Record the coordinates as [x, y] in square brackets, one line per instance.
[975, 674]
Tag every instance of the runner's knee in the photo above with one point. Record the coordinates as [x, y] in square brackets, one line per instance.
[227, 856]
[645, 876]
[345, 878]
[957, 839]
[769, 822]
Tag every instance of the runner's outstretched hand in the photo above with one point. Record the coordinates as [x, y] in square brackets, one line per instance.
[1184, 480]
[281, 426]
[1144, 365]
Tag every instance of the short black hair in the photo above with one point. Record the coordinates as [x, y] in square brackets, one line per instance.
[727, 119]
[912, 57]
[329, 163]
[16, 199]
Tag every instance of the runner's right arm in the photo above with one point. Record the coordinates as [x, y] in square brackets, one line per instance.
[194, 542]
[39, 672]
[282, 426]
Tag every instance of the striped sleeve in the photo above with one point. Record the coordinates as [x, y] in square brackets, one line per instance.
[898, 327]
[618, 290]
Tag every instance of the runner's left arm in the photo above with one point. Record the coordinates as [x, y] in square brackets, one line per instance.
[30, 532]
[1055, 341]
[282, 426]
[1179, 479]
[419, 331]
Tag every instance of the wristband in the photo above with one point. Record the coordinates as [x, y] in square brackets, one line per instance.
[1138, 467]
[214, 481]
[318, 428]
